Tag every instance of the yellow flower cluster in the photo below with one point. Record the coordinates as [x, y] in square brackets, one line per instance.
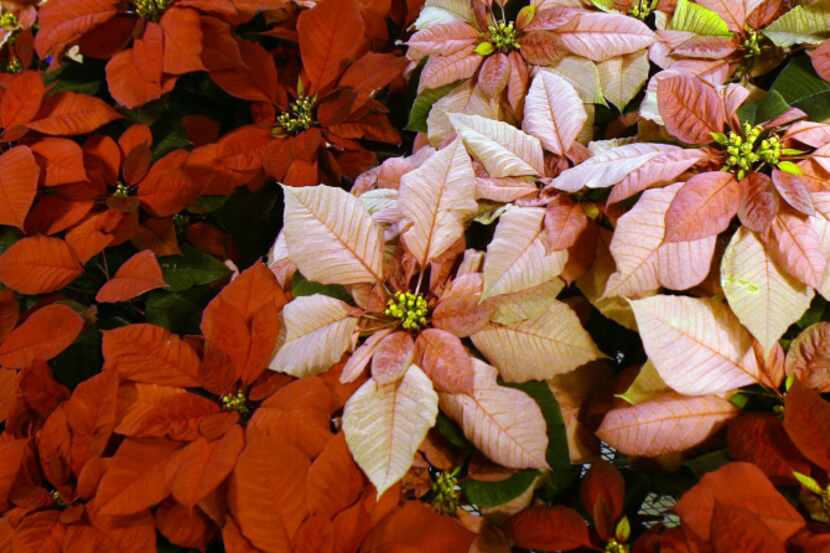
[446, 492]
[151, 9]
[746, 152]
[235, 402]
[298, 118]
[408, 307]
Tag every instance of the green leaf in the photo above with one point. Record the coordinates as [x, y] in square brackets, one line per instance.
[748, 112]
[451, 432]
[173, 311]
[697, 19]
[492, 494]
[192, 268]
[84, 78]
[558, 457]
[789, 167]
[801, 25]
[207, 204]
[801, 88]
[300, 286]
[708, 462]
[422, 104]
[771, 106]
[604, 5]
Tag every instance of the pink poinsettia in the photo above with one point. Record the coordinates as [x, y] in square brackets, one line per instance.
[759, 172]
[418, 301]
[478, 42]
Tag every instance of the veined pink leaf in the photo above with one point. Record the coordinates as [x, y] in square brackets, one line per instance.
[564, 222]
[443, 70]
[821, 59]
[337, 227]
[538, 349]
[442, 39]
[494, 74]
[504, 150]
[623, 77]
[644, 262]
[795, 246]
[437, 197]
[385, 423]
[810, 133]
[553, 112]
[445, 361]
[608, 167]
[317, 331]
[517, 258]
[459, 310]
[601, 36]
[697, 345]
[794, 191]
[703, 207]
[504, 423]
[509, 309]
[659, 170]
[670, 424]
[504, 189]
[759, 202]
[393, 356]
[361, 357]
[732, 11]
[766, 300]
[690, 108]
[465, 98]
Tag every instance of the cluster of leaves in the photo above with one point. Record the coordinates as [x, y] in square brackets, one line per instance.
[541, 275]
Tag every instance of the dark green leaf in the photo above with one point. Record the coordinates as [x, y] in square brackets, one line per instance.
[207, 204]
[493, 494]
[451, 432]
[557, 455]
[708, 462]
[173, 311]
[771, 106]
[79, 361]
[801, 88]
[302, 287]
[422, 104]
[192, 268]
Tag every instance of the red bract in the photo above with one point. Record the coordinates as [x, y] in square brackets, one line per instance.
[309, 130]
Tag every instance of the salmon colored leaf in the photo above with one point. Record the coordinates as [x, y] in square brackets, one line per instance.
[703, 207]
[334, 480]
[153, 411]
[392, 357]
[38, 265]
[690, 108]
[138, 275]
[668, 424]
[553, 112]
[808, 358]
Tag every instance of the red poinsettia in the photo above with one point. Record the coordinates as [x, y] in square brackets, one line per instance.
[309, 125]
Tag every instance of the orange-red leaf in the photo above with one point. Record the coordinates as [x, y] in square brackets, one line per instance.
[760, 438]
[138, 477]
[549, 528]
[417, 527]
[70, 113]
[89, 238]
[167, 188]
[334, 480]
[62, 160]
[737, 485]
[152, 411]
[330, 35]
[183, 526]
[42, 336]
[149, 353]
[602, 493]
[62, 23]
[38, 265]
[138, 275]
[267, 491]
[21, 102]
[807, 422]
[90, 413]
[205, 465]
[182, 41]
[18, 185]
